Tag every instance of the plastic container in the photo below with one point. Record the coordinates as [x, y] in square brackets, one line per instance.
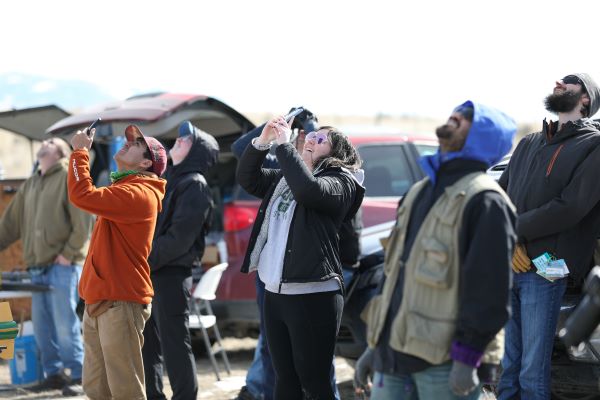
[26, 367]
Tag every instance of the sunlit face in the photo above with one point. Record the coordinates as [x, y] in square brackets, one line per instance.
[49, 151]
[453, 134]
[568, 83]
[181, 149]
[568, 95]
[132, 155]
[316, 146]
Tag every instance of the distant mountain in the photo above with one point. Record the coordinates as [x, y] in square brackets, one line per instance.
[23, 91]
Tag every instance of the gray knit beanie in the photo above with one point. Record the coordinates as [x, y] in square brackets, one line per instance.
[593, 92]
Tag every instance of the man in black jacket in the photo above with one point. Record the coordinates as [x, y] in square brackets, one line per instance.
[178, 242]
[552, 178]
[445, 294]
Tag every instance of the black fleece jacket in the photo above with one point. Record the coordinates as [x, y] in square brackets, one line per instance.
[180, 227]
[324, 201]
[350, 231]
[485, 250]
[552, 178]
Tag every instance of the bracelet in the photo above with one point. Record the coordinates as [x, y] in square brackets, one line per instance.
[261, 147]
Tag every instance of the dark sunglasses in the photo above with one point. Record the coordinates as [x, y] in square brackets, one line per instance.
[318, 137]
[572, 79]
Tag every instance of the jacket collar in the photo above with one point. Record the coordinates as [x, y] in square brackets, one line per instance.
[553, 134]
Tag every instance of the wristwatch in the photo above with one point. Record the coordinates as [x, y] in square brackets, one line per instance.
[261, 147]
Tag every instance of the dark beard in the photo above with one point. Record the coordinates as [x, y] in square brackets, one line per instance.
[444, 131]
[450, 138]
[562, 102]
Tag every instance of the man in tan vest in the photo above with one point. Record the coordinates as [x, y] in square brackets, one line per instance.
[444, 299]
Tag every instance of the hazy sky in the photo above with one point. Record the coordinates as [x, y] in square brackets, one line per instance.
[397, 57]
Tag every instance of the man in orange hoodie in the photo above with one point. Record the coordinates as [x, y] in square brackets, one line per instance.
[115, 282]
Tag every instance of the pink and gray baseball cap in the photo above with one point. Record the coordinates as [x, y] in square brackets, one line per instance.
[157, 151]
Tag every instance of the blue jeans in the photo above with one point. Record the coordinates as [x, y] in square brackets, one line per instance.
[56, 326]
[260, 379]
[348, 274]
[432, 383]
[254, 377]
[530, 335]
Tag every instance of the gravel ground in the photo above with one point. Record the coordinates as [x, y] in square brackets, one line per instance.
[240, 353]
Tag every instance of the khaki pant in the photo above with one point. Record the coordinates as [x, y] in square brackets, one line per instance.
[112, 363]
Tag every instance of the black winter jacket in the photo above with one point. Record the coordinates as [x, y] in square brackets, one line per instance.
[324, 201]
[350, 249]
[552, 178]
[181, 226]
[485, 250]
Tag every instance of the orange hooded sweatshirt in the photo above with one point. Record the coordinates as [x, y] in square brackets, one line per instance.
[116, 267]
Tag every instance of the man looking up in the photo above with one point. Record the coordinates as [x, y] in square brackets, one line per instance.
[552, 178]
[444, 299]
[55, 236]
[178, 243]
[115, 282]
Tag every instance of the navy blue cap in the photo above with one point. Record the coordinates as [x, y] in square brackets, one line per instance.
[186, 128]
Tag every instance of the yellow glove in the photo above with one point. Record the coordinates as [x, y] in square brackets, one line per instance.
[520, 260]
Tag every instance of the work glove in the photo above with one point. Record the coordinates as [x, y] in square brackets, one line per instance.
[363, 370]
[463, 378]
[520, 260]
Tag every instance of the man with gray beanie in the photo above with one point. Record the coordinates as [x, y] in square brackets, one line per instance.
[552, 178]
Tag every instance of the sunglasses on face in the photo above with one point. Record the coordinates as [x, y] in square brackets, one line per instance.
[318, 137]
[572, 79]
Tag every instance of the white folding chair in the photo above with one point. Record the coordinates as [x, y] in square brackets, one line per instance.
[201, 297]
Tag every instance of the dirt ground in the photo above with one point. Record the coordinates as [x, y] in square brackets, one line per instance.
[239, 352]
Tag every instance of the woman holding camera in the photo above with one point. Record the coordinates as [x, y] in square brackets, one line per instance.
[294, 247]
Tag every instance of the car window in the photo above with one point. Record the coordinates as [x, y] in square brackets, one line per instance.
[387, 172]
[426, 149]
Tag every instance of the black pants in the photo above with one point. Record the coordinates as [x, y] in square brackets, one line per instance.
[301, 334]
[167, 336]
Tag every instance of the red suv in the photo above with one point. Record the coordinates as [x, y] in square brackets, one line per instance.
[390, 164]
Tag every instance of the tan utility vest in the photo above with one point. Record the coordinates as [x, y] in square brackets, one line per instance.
[426, 321]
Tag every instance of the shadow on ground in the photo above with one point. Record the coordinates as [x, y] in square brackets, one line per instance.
[240, 353]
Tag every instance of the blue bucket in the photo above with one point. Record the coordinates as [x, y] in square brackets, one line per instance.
[25, 367]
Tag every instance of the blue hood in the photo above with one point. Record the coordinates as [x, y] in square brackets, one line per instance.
[490, 138]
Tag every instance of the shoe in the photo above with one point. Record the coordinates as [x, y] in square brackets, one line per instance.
[245, 394]
[53, 382]
[73, 388]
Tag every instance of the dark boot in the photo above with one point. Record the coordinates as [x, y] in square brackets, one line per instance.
[53, 382]
[73, 388]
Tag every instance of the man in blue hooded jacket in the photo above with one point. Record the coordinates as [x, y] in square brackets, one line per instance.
[178, 242]
[444, 299]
